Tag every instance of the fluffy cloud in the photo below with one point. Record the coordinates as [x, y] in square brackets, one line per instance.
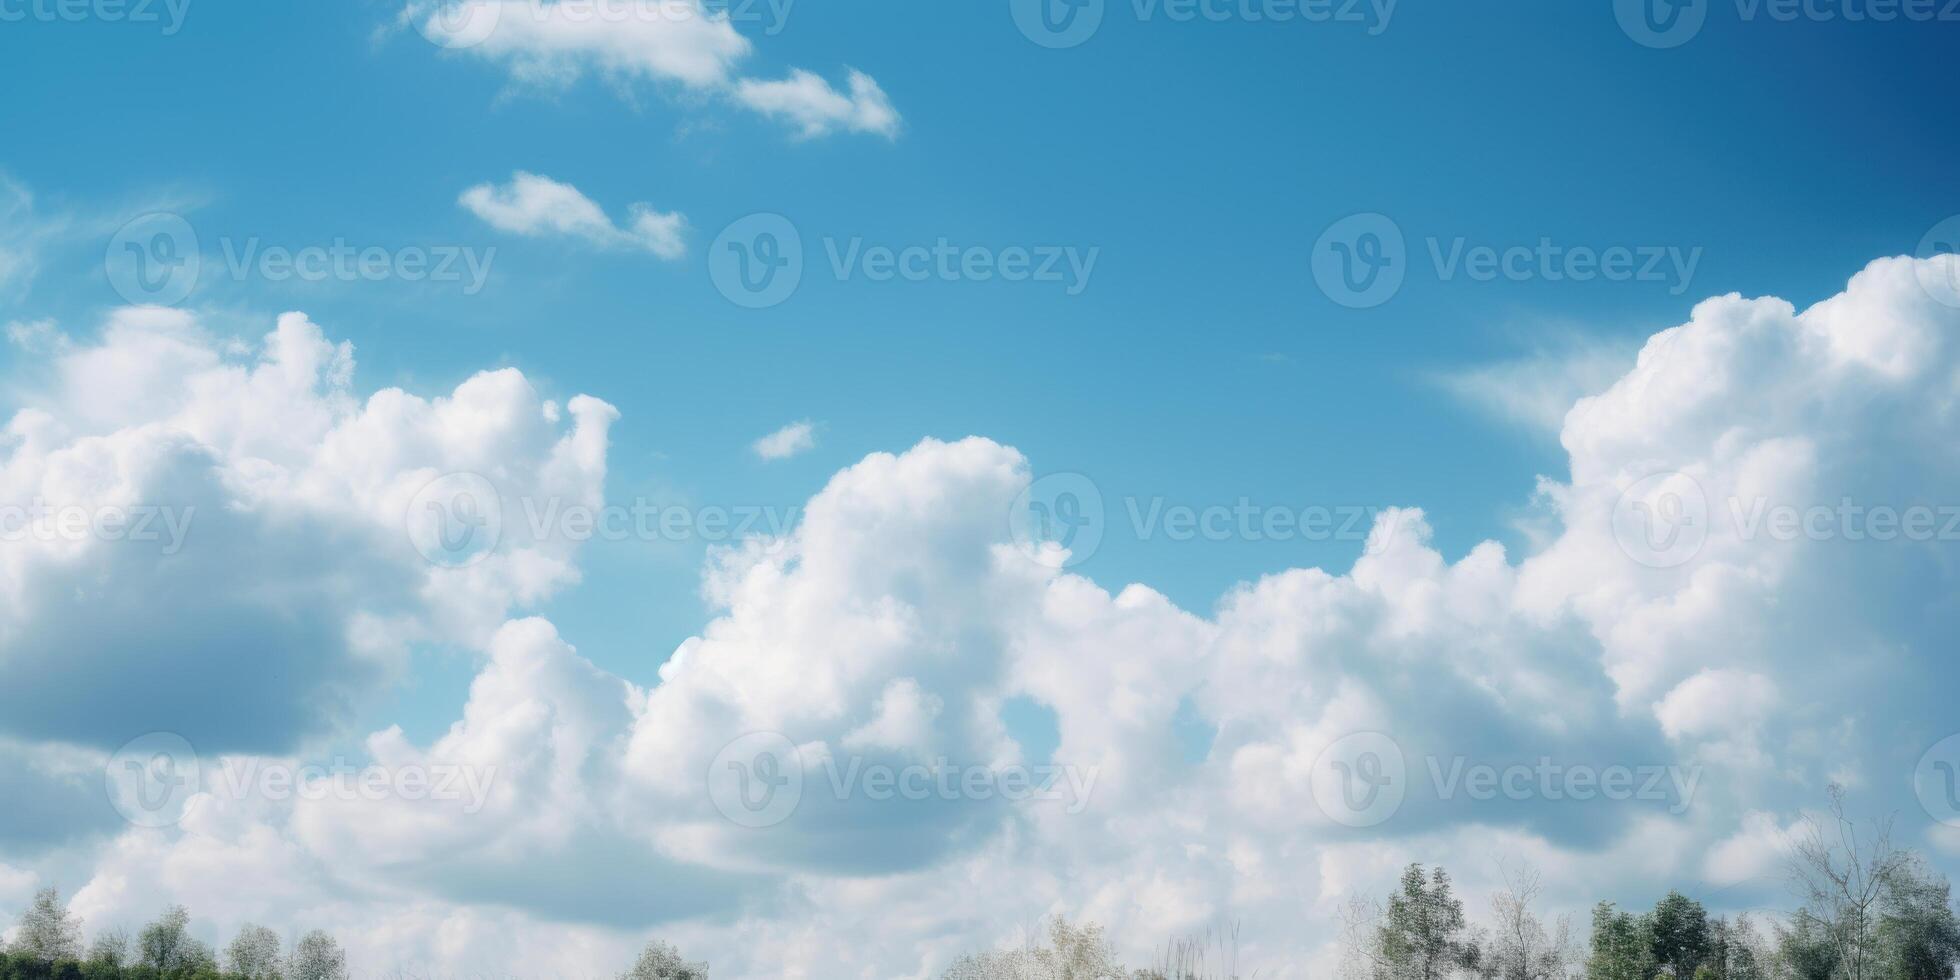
[679, 43]
[221, 544]
[894, 622]
[796, 437]
[540, 207]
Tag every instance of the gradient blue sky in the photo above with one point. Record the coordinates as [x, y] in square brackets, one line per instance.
[1202, 159]
[1200, 365]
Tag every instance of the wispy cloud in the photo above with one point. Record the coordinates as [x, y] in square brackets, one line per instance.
[539, 207]
[553, 43]
[791, 439]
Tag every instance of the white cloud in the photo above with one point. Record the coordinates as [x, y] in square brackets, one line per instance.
[538, 206]
[895, 619]
[274, 551]
[791, 439]
[553, 43]
[817, 109]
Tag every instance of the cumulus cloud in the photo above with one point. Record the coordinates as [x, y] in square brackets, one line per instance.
[897, 618]
[791, 439]
[540, 207]
[220, 544]
[676, 43]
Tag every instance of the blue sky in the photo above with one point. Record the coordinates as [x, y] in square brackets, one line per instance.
[1199, 364]
[1201, 158]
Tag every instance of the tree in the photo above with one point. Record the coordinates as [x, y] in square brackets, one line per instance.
[109, 952]
[167, 946]
[1678, 929]
[1841, 875]
[1071, 953]
[317, 957]
[47, 932]
[661, 961]
[1520, 948]
[1422, 929]
[1622, 946]
[1917, 934]
[254, 954]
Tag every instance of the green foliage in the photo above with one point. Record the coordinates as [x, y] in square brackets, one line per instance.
[1678, 929]
[1423, 929]
[1622, 946]
[1917, 934]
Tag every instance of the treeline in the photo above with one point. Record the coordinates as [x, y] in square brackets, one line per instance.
[48, 946]
[1864, 911]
